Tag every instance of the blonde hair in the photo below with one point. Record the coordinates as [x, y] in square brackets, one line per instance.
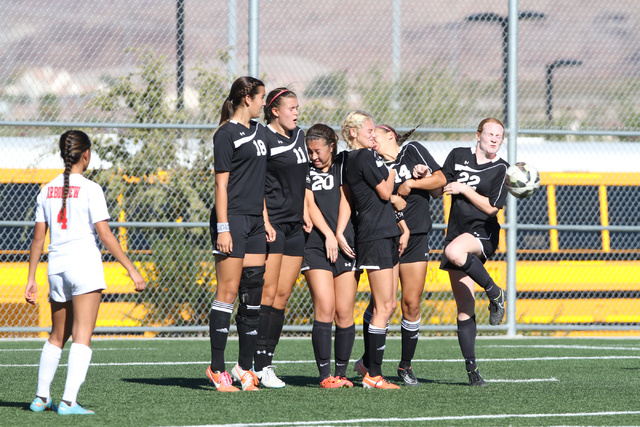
[354, 120]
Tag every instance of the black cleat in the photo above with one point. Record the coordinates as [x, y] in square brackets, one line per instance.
[496, 309]
[408, 377]
[475, 379]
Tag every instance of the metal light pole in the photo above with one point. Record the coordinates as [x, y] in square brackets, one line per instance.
[503, 21]
[550, 67]
[512, 130]
[180, 54]
[254, 16]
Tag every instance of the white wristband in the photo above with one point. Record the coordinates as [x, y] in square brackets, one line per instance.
[223, 227]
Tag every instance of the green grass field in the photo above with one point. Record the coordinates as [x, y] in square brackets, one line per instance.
[159, 382]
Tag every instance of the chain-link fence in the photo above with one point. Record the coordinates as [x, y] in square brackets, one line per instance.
[146, 80]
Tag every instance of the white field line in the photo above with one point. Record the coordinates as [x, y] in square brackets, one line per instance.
[532, 380]
[286, 362]
[93, 349]
[570, 347]
[425, 419]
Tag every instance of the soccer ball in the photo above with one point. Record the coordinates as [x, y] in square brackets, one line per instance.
[523, 180]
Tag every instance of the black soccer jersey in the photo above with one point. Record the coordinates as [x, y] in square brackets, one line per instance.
[375, 218]
[326, 192]
[242, 152]
[416, 215]
[287, 171]
[487, 179]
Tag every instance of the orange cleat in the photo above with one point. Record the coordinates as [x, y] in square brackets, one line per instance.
[333, 382]
[342, 377]
[377, 382]
[222, 380]
[248, 379]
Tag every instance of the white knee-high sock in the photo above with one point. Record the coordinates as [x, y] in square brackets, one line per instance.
[79, 359]
[49, 360]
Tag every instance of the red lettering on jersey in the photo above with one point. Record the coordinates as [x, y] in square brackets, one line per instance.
[56, 192]
[62, 219]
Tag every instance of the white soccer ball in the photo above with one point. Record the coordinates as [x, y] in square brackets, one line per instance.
[523, 180]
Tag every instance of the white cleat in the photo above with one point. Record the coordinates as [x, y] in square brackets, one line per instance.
[269, 379]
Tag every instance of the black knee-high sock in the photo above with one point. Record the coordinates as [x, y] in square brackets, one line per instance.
[248, 316]
[219, 322]
[475, 269]
[410, 333]
[264, 325]
[345, 337]
[467, 341]
[377, 341]
[321, 340]
[277, 323]
[366, 321]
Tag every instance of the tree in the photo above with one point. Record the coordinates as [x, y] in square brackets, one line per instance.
[163, 175]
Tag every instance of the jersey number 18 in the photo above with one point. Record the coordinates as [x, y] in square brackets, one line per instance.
[260, 147]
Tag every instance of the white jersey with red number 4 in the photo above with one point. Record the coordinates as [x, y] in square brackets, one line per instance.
[73, 236]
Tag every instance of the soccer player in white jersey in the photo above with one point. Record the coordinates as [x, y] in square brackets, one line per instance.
[330, 273]
[404, 157]
[475, 180]
[287, 171]
[237, 231]
[378, 244]
[74, 209]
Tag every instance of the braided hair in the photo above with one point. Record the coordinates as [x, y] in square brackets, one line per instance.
[400, 139]
[242, 87]
[73, 144]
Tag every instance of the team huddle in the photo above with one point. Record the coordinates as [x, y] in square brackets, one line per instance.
[287, 202]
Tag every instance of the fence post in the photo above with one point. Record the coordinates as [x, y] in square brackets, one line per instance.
[512, 125]
[232, 36]
[254, 35]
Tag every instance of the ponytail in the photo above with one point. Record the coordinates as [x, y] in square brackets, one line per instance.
[73, 144]
[240, 88]
[67, 171]
[400, 139]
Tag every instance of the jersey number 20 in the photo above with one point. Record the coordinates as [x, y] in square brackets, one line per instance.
[322, 183]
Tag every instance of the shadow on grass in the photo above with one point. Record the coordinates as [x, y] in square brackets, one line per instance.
[22, 405]
[313, 382]
[192, 383]
[292, 380]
